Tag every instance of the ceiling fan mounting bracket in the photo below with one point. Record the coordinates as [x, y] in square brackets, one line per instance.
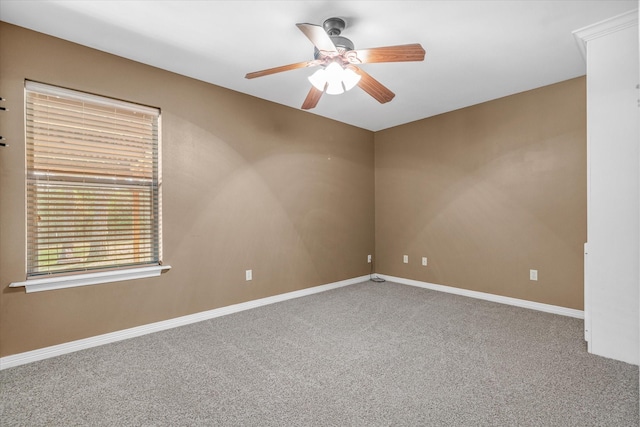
[334, 26]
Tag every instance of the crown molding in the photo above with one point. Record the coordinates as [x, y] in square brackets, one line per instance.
[611, 25]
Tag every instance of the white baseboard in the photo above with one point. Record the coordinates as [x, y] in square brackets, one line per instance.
[547, 308]
[70, 347]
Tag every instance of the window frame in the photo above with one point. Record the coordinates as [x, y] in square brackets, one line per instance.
[91, 274]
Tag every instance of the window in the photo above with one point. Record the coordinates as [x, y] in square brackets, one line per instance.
[93, 183]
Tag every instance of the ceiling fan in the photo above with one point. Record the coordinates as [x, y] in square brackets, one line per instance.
[338, 59]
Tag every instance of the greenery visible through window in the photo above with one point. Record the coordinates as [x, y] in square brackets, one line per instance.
[93, 182]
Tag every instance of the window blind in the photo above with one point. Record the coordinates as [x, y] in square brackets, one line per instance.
[93, 182]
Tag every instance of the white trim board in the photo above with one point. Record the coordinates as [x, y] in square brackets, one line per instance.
[69, 281]
[70, 347]
[547, 308]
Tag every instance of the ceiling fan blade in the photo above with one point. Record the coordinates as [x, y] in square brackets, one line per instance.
[402, 53]
[282, 68]
[312, 98]
[319, 38]
[373, 87]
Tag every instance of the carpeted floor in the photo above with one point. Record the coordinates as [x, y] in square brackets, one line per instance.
[371, 354]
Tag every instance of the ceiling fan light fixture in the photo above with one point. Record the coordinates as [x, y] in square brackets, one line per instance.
[334, 78]
[350, 78]
[334, 73]
[334, 88]
[318, 79]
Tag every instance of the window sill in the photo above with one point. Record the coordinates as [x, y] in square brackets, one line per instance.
[61, 282]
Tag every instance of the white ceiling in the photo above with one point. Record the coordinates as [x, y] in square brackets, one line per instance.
[475, 50]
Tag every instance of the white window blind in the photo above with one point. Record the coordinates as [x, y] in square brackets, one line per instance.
[93, 182]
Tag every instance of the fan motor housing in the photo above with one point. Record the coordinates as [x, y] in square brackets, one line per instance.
[342, 43]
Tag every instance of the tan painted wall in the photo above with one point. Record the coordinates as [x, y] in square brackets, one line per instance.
[487, 193]
[248, 184]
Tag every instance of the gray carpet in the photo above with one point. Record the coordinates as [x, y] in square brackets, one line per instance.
[364, 355]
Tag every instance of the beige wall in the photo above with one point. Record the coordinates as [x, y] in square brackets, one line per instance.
[487, 193]
[248, 184]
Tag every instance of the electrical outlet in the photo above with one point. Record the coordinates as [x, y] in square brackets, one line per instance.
[369, 259]
[424, 261]
[533, 274]
[248, 275]
[405, 259]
